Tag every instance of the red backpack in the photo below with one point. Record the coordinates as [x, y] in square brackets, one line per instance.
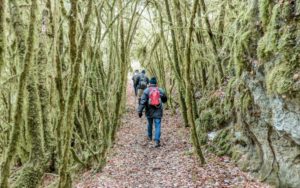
[154, 96]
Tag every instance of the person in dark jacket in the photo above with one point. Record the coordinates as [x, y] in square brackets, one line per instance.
[135, 81]
[142, 83]
[153, 113]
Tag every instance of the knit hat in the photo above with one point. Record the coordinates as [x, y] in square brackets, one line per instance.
[153, 80]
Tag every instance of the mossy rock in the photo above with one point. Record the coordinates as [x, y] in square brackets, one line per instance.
[236, 154]
[202, 134]
[222, 143]
[203, 138]
[210, 120]
[279, 79]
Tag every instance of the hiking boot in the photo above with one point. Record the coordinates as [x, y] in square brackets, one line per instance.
[157, 144]
[146, 141]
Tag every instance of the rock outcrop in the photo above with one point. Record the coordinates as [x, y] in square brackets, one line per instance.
[256, 113]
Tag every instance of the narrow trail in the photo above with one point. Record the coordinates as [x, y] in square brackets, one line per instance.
[134, 162]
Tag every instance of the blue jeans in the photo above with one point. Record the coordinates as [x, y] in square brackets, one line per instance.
[157, 128]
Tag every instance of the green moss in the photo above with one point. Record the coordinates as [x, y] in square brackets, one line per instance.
[30, 176]
[267, 45]
[264, 14]
[238, 60]
[201, 132]
[297, 8]
[279, 79]
[287, 44]
[236, 154]
[287, 10]
[211, 119]
[223, 134]
[228, 104]
[222, 143]
[2, 34]
[246, 101]
[279, 50]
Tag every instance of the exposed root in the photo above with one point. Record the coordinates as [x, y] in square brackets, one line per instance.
[254, 139]
[274, 162]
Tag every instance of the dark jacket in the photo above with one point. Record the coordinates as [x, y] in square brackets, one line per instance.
[138, 80]
[134, 79]
[152, 111]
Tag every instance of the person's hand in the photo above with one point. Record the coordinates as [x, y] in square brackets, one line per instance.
[140, 114]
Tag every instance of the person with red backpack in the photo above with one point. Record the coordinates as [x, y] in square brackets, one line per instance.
[152, 100]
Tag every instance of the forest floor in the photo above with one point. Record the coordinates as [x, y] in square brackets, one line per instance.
[135, 162]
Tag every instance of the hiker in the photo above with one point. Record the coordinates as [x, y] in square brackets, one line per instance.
[134, 80]
[152, 100]
[143, 82]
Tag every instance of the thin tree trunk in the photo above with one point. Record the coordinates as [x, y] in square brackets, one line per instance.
[123, 68]
[221, 23]
[76, 59]
[177, 67]
[189, 99]
[18, 29]
[2, 33]
[212, 40]
[59, 86]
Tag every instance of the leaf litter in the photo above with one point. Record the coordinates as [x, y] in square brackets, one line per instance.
[135, 162]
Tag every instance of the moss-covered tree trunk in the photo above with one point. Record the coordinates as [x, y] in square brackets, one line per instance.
[28, 61]
[123, 73]
[76, 54]
[178, 74]
[189, 90]
[18, 26]
[44, 94]
[33, 170]
[212, 39]
[2, 33]
[65, 180]
[58, 59]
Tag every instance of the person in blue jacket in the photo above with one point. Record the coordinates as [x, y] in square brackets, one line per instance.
[153, 113]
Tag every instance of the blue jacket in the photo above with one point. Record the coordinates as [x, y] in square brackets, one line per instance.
[152, 111]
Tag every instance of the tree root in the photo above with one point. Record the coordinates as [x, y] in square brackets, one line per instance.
[254, 139]
[274, 162]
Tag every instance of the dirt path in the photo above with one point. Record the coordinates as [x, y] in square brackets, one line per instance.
[134, 162]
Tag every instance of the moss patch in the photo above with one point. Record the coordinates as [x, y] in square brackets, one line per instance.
[279, 79]
[222, 143]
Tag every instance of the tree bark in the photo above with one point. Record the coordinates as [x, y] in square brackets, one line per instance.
[189, 99]
[177, 67]
[5, 168]
[76, 60]
[2, 33]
